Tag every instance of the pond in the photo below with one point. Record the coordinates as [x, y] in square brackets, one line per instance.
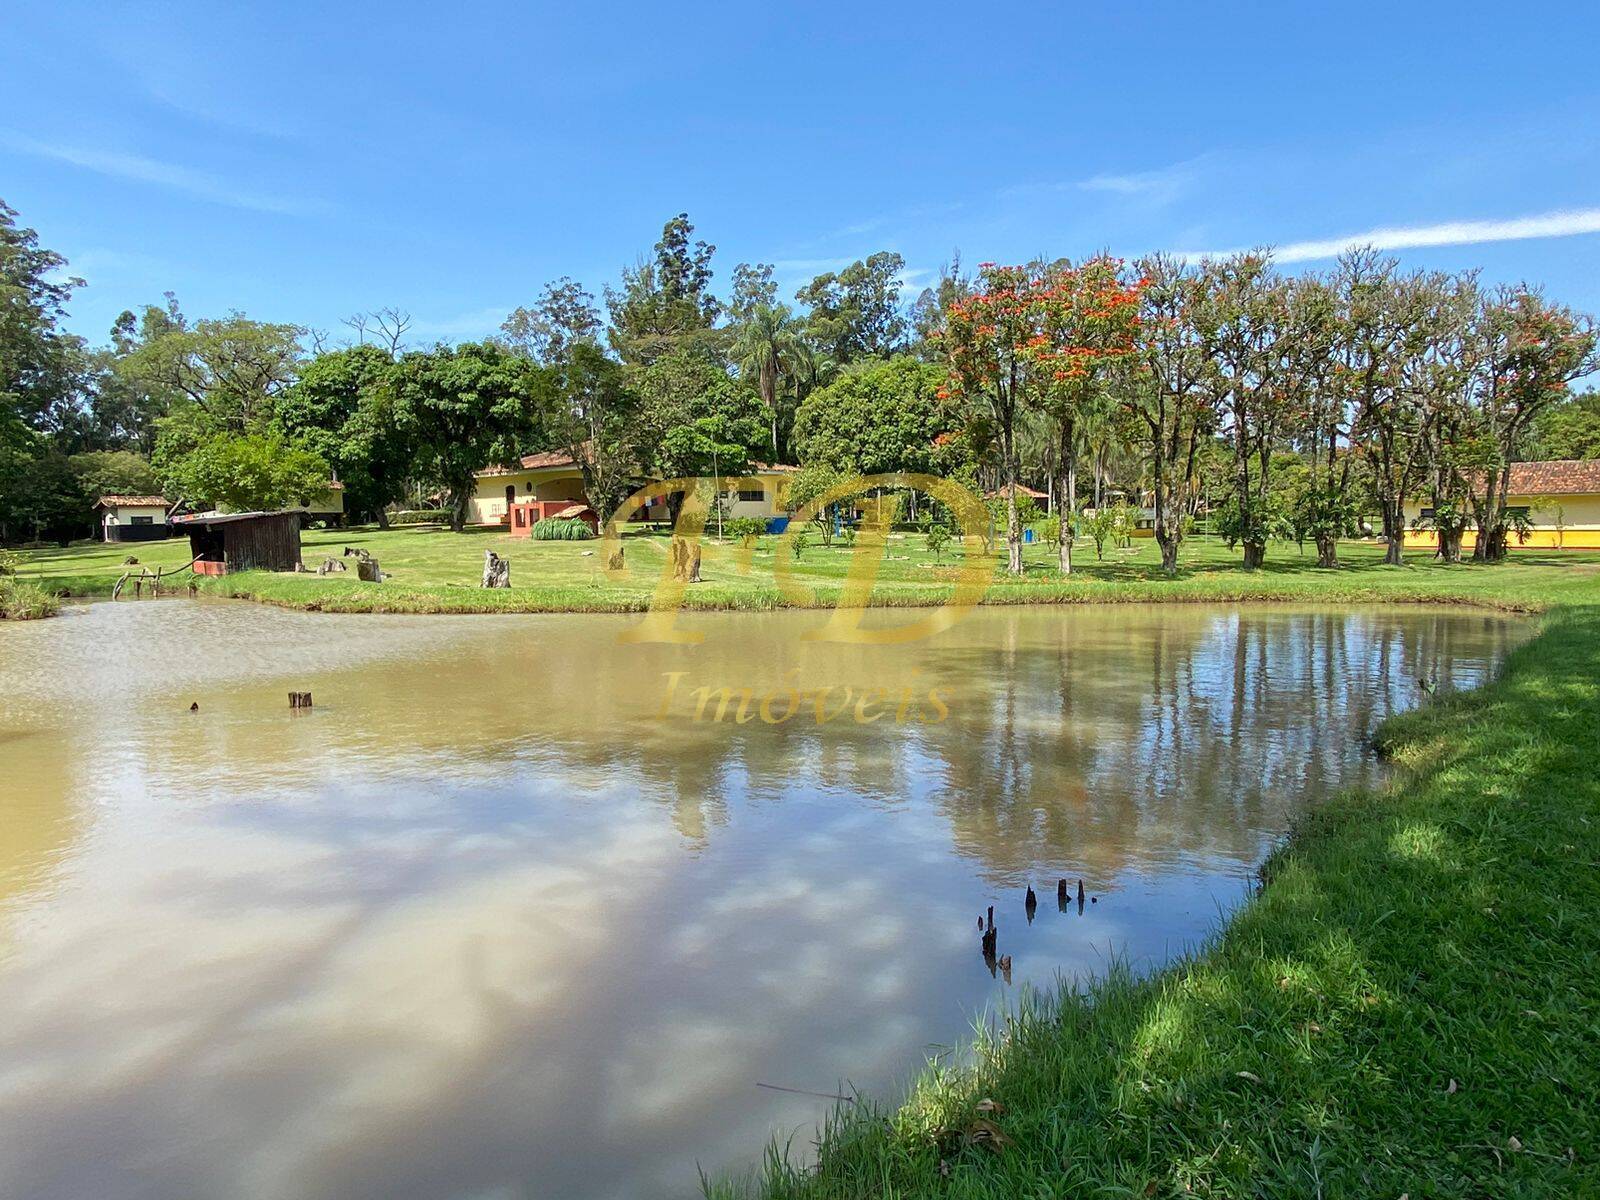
[510, 912]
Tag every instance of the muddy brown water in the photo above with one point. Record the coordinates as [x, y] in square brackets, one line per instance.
[500, 917]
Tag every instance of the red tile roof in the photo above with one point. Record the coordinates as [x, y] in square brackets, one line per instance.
[1022, 490]
[133, 501]
[532, 462]
[1566, 477]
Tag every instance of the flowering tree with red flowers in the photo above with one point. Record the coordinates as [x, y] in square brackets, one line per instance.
[988, 342]
[1088, 320]
[1039, 338]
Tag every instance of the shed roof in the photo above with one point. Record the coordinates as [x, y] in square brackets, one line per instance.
[219, 518]
[1559, 477]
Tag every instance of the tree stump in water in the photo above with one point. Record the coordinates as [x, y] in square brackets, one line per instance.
[367, 570]
[496, 570]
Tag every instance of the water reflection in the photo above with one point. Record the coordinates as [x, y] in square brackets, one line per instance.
[481, 924]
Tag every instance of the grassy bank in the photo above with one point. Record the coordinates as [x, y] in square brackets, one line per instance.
[436, 571]
[25, 601]
[1410, 1007]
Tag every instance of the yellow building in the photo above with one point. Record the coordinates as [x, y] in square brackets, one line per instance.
[553, 476]
[1561, 499]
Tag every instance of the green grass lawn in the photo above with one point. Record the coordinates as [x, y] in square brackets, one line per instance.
[433, 570]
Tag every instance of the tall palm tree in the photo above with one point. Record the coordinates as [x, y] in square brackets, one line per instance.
[765, 348]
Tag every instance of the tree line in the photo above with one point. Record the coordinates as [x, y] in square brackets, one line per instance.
[1276, 405]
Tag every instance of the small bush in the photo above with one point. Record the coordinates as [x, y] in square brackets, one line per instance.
[938, 539]
[420, 516]
[10, 562]
[556, 529]
[25, 601]
[745, 529]
[798, 544]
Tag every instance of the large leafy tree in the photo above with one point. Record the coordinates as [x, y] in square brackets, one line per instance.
[231, 369]
[1389, 326]
[665, 302]
[989, 340]
[1240, 316]
[467, 406]
[1532, 351]
[1568, 429]
[879, 417]
[598, 418]
[41, 373]
[1160, 389]
[114, 472]
[342, 408]
[855, 313]
[753, 286]
[706, 422]
[766, 347]
[40, 363]
[1323, 506]
[124, 406]
[1088, 321]
[248, 472]
[563, 317]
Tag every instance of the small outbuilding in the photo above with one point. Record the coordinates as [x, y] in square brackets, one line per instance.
[133, 518]
[250, 541]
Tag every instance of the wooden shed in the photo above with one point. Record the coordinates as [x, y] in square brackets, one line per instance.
[252, 541]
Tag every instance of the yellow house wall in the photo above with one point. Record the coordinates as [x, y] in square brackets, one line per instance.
[1579, 517]
[774, 487]
[488, 503]
[330, 501]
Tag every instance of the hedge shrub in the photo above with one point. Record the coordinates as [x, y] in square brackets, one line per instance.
[555, 529]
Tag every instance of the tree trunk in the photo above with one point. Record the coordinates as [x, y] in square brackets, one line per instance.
[383, 517]
[1067, 509]
[1450, 543]
[1327, 550]
[1255, 553]
[1394, 532]
[1169, 552]
[1013, 534]
[458, 510]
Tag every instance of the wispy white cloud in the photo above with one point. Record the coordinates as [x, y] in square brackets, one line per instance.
[1160, 186]
[1564, 223]
[139, 169]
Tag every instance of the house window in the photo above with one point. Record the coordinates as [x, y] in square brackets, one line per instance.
[753, 494]
[144, 520]
[1516, 510]
[1427, 512]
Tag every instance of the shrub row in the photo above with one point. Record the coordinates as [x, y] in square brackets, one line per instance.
[554, 529]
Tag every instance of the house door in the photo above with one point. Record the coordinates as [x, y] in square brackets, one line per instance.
[511, 496]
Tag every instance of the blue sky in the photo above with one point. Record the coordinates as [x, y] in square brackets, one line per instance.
[301, 162]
